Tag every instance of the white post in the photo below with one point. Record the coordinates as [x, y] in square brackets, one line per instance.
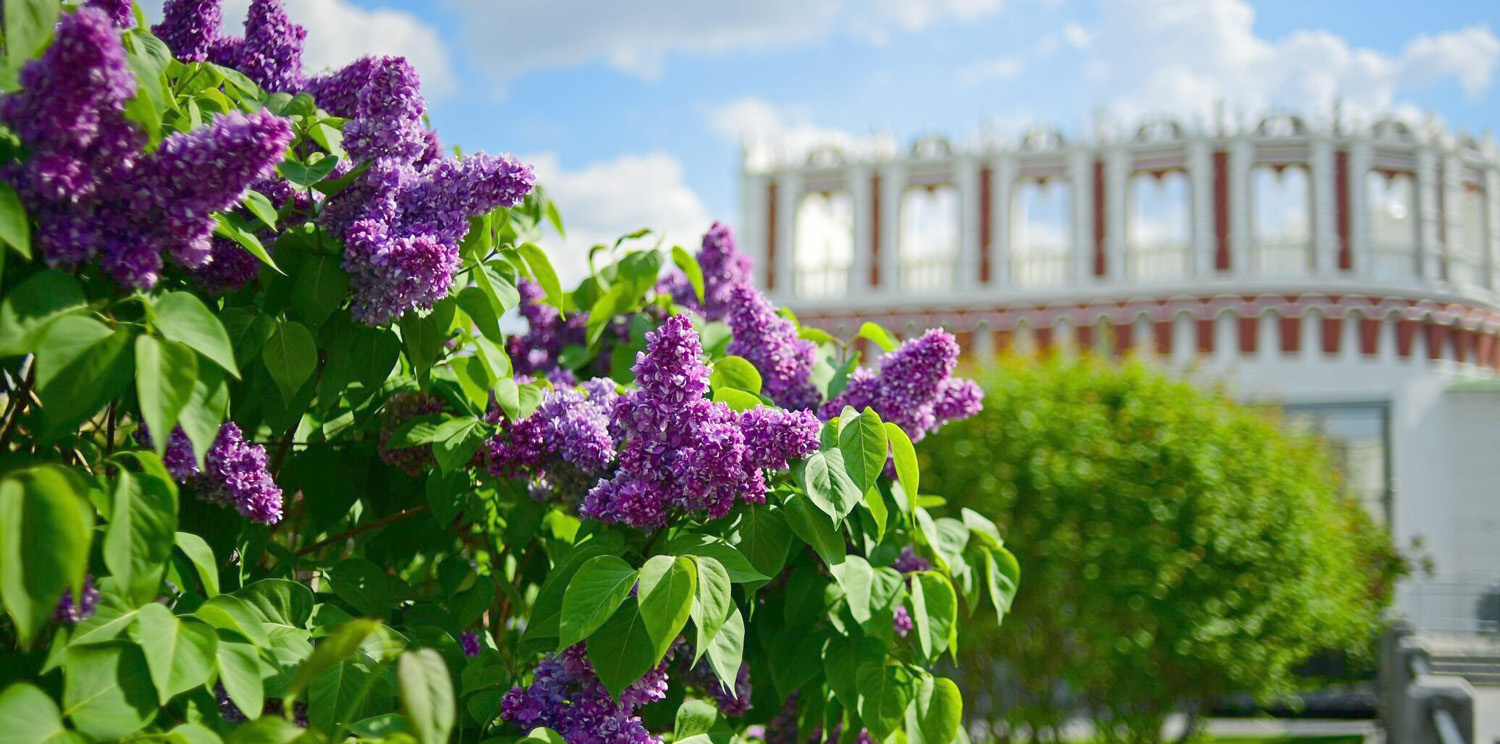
[788, 197]
[859, 185]
[1492, 223]
[1325, 232]
[1201, 171]
[1081, 181]
[966, 179]
[1002, 190]
[1116, 199]
[1361, 152]
[752, 232]
[1461, 268]
[1241, 250]
[892, 187]
[1429, 248]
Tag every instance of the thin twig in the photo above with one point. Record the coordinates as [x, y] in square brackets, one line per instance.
[400, 516]
[17, 406]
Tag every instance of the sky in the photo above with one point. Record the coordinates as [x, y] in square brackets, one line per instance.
[634, 113]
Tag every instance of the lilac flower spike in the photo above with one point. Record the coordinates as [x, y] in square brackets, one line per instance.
[913, 387]
[271, 54]
[69, 611]
[567, 697]
[190, 28]
[770, 343]
[119, 11]
[235, 475]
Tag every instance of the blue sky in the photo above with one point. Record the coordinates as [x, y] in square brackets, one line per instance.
[633, 111]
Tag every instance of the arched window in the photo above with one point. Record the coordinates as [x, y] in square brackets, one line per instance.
[1471, 244]
[1041, 235]
[1158, 225]
[928, 251]
[1393, 223]
[824, 244]
[1283, 220]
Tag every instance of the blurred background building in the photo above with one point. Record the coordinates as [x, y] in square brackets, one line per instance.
[1347, 272]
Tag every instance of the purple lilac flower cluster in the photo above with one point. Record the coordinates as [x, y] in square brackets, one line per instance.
[913, 386]
[770, 343]
[681, 450]
[270, 52]
[908, 561]
[567, 697]
[547, 332]
[69, 611]
[231, 713]
[563, 447]
[723, 267]
[235, 475]
[119, 11]
[731, 702]
[902, 622]
[469, 642]
[399, 409]
[87, 183]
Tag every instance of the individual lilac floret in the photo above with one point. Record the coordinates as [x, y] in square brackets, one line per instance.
[913, 387]
[770, 343]
[190, 28]
[902, 622]
[567, 697]
[908, 561]
[69, 611]
[399, 409]
[119, 11]
[680, 450]
[229, 268]
[469, 642]
[271, 54]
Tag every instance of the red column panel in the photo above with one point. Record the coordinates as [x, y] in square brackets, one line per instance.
[1043, 339]
[1369, 336]
[1333, 335]
[1437, 339]
[1249, 335]
[875, 231]
[1463, 343]
[771, 217]
[1341, 208]
[1100, 265]
[1484, 349]
[1004, 340]
[1206, 336]
[1085, 335]
[1406, 333]
[1221, 211]
[1291, 335]
[1124, 338]
[985, 219]
[1162, 329]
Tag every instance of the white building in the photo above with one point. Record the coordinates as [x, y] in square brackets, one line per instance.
[1350, 273]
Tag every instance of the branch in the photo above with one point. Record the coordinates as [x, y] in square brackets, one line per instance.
[400, 516]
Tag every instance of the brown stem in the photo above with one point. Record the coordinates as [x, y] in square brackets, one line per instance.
[109, 431]
[399, 516]
[18, 402]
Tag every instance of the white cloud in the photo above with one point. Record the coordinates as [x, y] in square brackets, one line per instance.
[1077, 36]
[1003, 68]
[1185, 56]
[339, 32]
[607, 199]
[637, 37]
[788, 130]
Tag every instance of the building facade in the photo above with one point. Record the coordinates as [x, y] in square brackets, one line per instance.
[1348, 273]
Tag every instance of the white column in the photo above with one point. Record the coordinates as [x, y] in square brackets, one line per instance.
[966, 179]
[1200, 167]
[1491, 278]
[1081, 180]
[1116, 188]
[752, 232]
[788, 196]
[892, 186]
[1241, 249]
[1360, 155]
[860, 192]
[1002, 190]
[1428, 245]
[1325, 232]
[1451, 182]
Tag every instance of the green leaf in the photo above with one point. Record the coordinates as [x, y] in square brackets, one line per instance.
[1002, 578]
[261, 207]
[712, 603]
[45, 526]
[193, 733]
[622, 649]
[239, 672]
[667, 586]
[31, 305]
[203, 416]
[842, 658]
[99, 374]
[179, 654]
[15, 229]
[107, 690]
[547, 609]
[596, 591]
[884, 692]
[279, 602]
[28, 27]
[476, 304]
[905, 457]
[862, 440]
[694, 717]
[878, 335]
[458, 448]
[202, 558]
[501, 293]
[303, 176]
[331, 650]
[426, 695]
[542, 271]
[737, 373]
[320, 288]
[231, 613]
[938, 711]
[726, 650]
[791, 658]
[815, 528]
[164, 376]
[765, 539]
[142, 525]
[934, 612]
[825, 479]
[690, 268]
[291, 356]
[555, 218]
[855, 576]
[62, 342]
[226, 228]
[741, 570]
[737, 400]
[182, 317]
[28, 716]
[266, 730]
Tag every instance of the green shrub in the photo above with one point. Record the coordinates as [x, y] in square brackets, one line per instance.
[1177, 546]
